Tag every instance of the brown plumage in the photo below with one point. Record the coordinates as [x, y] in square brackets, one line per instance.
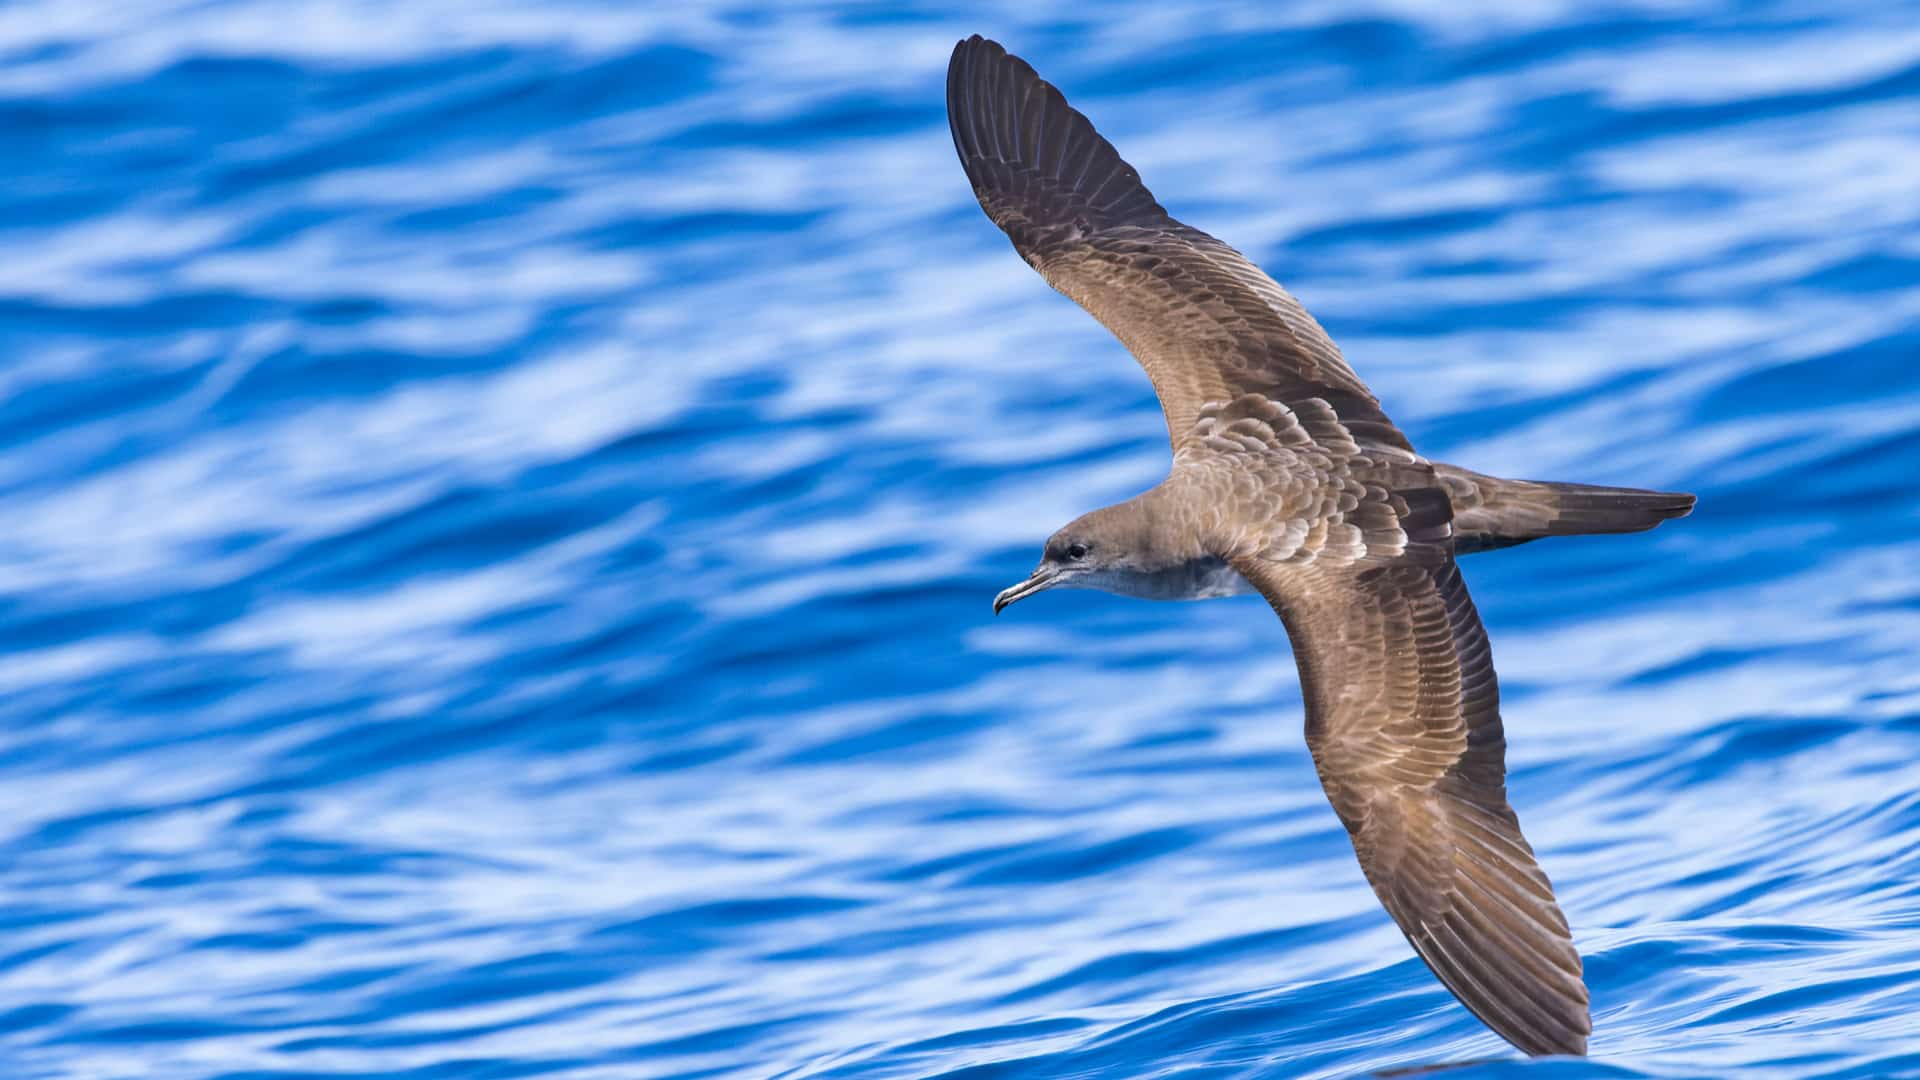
[1289, 479]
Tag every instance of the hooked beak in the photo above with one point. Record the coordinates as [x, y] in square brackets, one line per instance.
[1042, 579]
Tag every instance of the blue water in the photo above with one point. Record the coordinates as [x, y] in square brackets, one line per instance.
[501, 504]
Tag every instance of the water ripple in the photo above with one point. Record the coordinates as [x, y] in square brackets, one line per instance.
[503, 501]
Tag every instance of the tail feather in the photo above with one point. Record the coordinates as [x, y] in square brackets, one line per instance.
[1490, 513]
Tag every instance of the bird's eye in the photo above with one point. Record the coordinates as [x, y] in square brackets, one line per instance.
[1076, 552]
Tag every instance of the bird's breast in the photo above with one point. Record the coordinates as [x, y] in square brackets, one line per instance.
[1205, 578]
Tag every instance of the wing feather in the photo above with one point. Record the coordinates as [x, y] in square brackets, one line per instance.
[1403, 720]
[1206, 323]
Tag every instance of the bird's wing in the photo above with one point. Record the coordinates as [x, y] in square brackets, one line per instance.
[1403, 718]
[1204, 321]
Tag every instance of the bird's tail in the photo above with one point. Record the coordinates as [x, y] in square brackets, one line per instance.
[1489, 512]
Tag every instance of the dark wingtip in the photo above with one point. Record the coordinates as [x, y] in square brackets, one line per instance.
[974, 41]
[1024, 146]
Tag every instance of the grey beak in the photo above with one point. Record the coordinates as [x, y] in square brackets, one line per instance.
[1042, 579]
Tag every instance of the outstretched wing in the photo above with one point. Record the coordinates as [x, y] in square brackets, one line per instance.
[1403, 718]
[1205, 322]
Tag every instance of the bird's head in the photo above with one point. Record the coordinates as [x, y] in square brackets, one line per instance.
[1107, 549]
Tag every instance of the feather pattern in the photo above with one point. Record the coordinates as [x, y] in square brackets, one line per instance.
[1403, 718]
[1204, 321]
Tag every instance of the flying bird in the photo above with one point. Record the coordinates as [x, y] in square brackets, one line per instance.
[1289, 480]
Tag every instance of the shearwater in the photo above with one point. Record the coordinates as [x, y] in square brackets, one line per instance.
[1289, 480]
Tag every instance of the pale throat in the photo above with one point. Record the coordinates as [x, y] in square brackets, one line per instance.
[1205, 578]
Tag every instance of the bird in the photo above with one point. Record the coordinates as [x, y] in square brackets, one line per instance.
[1289, 480]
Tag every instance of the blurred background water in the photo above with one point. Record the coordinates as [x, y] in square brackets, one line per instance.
[501, 503]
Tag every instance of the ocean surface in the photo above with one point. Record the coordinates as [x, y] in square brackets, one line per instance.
[501, 504]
